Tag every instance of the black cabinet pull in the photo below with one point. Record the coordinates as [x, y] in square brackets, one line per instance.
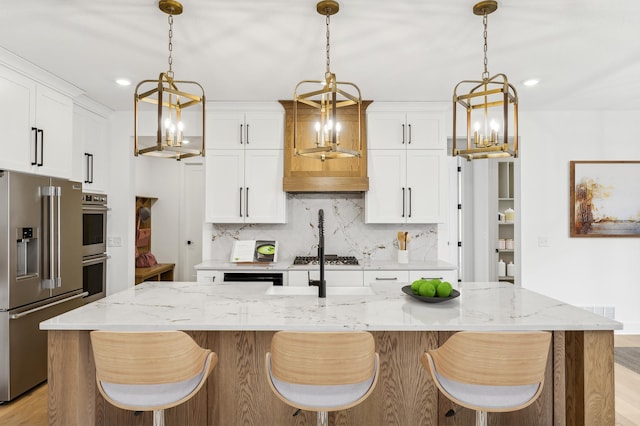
[403, 134]
[86, 176]
[41, 162]
[409, 201]
[240, 201]
[246, 203]
[409, 133]
[403, 201]
[35, 144]
[241, 131]
[247, 139]
[91, 180]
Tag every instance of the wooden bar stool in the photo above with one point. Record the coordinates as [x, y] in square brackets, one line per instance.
[322, 371]
[149, 371]
[490, 371]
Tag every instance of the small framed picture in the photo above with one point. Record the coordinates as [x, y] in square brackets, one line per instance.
[605, 198]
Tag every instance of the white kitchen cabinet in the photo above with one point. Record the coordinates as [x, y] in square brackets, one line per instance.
[405, 125]
[245, 126]
[406, 186]
[38, 126]
[244, 186]
[332, 277]
[390, 276]
[90, 153]
[208, 276]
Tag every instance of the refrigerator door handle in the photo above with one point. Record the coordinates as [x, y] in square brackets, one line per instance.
[52, 255]
[39, 308]
[59, 236]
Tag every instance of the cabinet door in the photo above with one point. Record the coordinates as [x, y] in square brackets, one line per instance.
[386, 130]
[225, 130]
[90, 154]
[424, 131]
[264, 130]
[224, 183]
[54, 116]
[208, 276]
[426, 186]
[385, 200]
[17, 112]
[265, 200]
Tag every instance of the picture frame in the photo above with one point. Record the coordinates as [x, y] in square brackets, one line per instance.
[604, 199]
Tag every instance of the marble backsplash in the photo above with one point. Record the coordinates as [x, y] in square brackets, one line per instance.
[346, 234]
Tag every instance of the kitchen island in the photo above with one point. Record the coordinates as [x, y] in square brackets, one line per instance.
[237, 321]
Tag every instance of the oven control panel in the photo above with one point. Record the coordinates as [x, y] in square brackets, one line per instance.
[93, 198]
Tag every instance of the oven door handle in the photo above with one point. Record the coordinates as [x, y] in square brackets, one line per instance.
[95, 259]
[95, 207]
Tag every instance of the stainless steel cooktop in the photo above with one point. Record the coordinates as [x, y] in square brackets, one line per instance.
[329, 259]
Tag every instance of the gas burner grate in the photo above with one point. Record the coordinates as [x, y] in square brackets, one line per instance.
[329, 259]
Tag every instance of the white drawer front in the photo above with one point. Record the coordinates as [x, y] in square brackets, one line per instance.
[333, 278]
[385, 277]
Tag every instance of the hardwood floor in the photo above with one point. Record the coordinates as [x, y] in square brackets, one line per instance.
[31, 408]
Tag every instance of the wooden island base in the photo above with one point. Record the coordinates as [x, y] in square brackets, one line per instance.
[579, 386]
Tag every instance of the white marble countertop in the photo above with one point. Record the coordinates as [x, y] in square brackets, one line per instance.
[245, 306]
[287, 265]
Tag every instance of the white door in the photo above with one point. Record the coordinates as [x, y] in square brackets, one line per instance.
[224, 176]
[192, 219]
[386, 199]
[427, 186]
[265, 199]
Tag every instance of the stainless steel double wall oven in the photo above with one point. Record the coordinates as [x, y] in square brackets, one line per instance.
[94, 245]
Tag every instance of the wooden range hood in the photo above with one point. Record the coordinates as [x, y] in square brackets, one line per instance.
[303, 174]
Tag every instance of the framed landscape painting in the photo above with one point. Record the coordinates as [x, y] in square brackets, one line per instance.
[605, 198]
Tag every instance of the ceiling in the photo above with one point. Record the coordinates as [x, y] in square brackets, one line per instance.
[586, 53]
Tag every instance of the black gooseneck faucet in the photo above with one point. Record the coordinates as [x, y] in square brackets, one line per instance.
[322, 285]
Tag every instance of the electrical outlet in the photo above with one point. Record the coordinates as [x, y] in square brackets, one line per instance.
[543, 241]
[114, 241]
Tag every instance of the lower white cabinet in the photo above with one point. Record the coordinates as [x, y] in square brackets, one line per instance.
[207, 276]
[244, 186]
[332, 277]
[391, 276]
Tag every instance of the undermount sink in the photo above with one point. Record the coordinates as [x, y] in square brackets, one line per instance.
[313, 291]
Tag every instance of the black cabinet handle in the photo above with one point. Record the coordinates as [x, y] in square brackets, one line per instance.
[403, 201]
[240, 201]
[41, 162]
[403, 134]
[247, 138]
[241, 131]
[35, 144]
[188, 242]
[409, 201]
[409, 133]
[86, 175]
[246, 203]
[91, 180]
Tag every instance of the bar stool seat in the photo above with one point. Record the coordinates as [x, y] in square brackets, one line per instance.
[322, 371]
[490, 371]
[149, 371]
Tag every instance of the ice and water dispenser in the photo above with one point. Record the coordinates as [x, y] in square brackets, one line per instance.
[27, 252]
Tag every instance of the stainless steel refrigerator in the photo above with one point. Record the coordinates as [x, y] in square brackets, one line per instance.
[40, 271]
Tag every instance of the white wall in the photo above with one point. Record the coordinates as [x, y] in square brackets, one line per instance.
[580, 271]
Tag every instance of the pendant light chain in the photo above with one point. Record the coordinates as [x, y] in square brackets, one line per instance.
[170, 72]
[328, 21]
[485, 74]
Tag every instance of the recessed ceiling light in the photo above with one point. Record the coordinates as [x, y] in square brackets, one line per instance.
[531, 82]
[123, 82]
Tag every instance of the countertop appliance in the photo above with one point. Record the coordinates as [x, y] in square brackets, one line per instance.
[40, 271]
[329, 259]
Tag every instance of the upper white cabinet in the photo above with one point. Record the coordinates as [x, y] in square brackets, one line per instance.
[90, 153]
[390, 126]
[408, 178]
[245, 126]
[38, 126]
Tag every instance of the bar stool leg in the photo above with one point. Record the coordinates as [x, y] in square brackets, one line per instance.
[481, 418]
[323, 418]
[158, 417]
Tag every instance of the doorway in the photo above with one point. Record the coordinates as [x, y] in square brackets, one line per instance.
[192, 214]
